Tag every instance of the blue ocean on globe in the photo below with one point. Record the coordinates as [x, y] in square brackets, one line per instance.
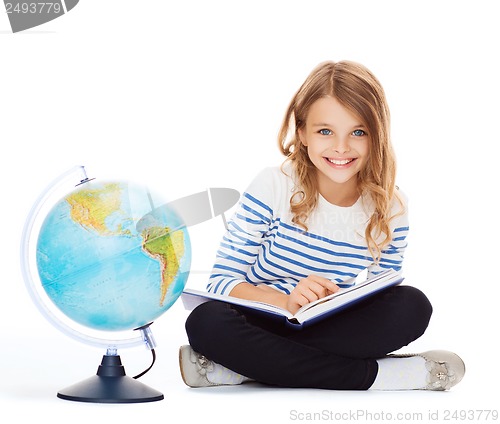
[110, 258]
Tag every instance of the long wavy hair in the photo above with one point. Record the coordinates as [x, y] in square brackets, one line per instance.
[359, 91]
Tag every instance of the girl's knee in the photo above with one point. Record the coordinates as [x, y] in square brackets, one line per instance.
[204, 321]
[419, 300]
[416, 306]
[200, 317]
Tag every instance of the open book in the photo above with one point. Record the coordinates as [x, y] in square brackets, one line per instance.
[309, 313]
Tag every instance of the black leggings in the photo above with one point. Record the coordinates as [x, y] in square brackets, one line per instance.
[337, 353]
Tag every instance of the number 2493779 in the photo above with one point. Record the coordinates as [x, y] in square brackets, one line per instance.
[33, 7]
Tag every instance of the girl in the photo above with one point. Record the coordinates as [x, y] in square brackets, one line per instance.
[304, 230]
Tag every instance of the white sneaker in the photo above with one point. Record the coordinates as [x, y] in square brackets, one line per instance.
[445, 369]
[194, 368]
[198, 371]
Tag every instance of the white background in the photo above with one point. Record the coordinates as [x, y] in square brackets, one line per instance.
[189, 95]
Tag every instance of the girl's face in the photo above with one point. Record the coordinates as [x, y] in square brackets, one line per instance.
[338, 145]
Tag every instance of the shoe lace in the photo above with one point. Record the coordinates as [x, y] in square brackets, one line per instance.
[205, 365]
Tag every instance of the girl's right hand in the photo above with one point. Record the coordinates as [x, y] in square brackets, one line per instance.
[308, 290]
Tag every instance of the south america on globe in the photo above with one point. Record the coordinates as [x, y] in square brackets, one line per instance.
[102, 270]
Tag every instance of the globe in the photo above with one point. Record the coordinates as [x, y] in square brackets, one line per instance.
[103, 264]
[110, 258]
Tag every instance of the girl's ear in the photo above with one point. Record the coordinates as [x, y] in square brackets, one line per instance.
[301, 134]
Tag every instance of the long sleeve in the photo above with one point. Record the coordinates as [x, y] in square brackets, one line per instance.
[393, 255]
[242, 241]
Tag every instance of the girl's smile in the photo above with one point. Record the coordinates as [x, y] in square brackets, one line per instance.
[340, 163]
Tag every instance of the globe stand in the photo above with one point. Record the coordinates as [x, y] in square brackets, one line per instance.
[110, 385]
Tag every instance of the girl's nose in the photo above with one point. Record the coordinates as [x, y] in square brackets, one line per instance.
[341, 145]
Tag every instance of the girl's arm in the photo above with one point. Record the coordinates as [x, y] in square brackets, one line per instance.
[393, 255]
[307, 290]
[260, 293]
[241, 243]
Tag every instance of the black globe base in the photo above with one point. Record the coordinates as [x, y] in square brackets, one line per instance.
[110, 385]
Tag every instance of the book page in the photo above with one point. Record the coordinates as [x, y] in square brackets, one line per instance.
[384, 275]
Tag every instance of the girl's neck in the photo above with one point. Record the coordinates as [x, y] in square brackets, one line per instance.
[344, 195]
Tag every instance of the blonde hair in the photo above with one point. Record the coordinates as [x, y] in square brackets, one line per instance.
[359, 91]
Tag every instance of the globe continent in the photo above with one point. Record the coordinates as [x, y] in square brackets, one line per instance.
[102, 269]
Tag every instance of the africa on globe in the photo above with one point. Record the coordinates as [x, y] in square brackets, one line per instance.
[111, 260]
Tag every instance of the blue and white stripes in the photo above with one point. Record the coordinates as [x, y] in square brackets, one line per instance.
[263, 246]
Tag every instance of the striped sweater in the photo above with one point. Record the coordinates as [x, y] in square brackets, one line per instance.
[263, 246]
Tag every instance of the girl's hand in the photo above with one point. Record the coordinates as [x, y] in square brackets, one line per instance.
[308, 290]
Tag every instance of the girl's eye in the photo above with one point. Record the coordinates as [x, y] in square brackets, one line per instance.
[325, 131]
[358, 133]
